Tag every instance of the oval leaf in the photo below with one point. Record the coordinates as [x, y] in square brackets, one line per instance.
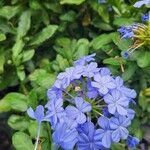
[22, 141]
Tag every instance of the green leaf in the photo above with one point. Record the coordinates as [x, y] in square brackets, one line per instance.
[2, 61]
[76, 2]
[124, 21]
[129, 71]
[21, 73]
[100, 41]
[82, 48]
[112, 61]
[45, 34]
[32, 128]
[69, 16]
[34, 4]
[17, 48]
[27, 55]
[22, 141]
[24, 24]
[9, 11]
[42, 78]
[62, 62]
[118, 146]
[17, 122]
[143, 59]
[5, 27]
[2, 37]
[14, 101]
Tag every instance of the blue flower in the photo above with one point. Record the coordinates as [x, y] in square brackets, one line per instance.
[85, 59]
[90, 70]
[103, 83]
[54, 93]
[129, 93]
[38, 114]
[102, 1]
[116, 102]
[125, 54]
[132, 142]
[70, 74]
[119, 125]
[77, 113]
[105, 71]
[145, 17]
[65, 137]
[105, 111]
[142, 2]
[55, 111]
[89, 138]
[130, 113]
[126, 32]
[105, 132]
[92, 92]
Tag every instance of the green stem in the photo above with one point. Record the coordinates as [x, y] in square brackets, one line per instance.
[38, 136]
[49, 133]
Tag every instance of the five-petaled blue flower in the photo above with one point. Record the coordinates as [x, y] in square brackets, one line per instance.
[89, 138]
[65, 137]
[105, 132]
[70, 74]
[55, 111]
[77, 113]
[90, 70]
[119, 126]
[116, 102]
[103, 83]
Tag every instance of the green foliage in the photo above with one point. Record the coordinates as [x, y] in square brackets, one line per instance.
[22, 141]
[39, 39]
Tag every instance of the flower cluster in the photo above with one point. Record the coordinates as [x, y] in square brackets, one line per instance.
[138, 32]
[88, 108]
[141, 3]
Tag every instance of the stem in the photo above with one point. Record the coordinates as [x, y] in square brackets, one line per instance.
[49, 133]
[69, 94]
[38, 135]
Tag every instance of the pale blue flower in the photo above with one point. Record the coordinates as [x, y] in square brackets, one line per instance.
[54, 93]
[119, 126]
[105, 132]
[129, 93]
[90, 70]
[70, 74]
[141, 3]
[38, 114]
[103, 83]
[77, 113]
[85, 59]
[55, 111]
[116, 103]
[89, 138]
[105, 71]
[65, 137]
